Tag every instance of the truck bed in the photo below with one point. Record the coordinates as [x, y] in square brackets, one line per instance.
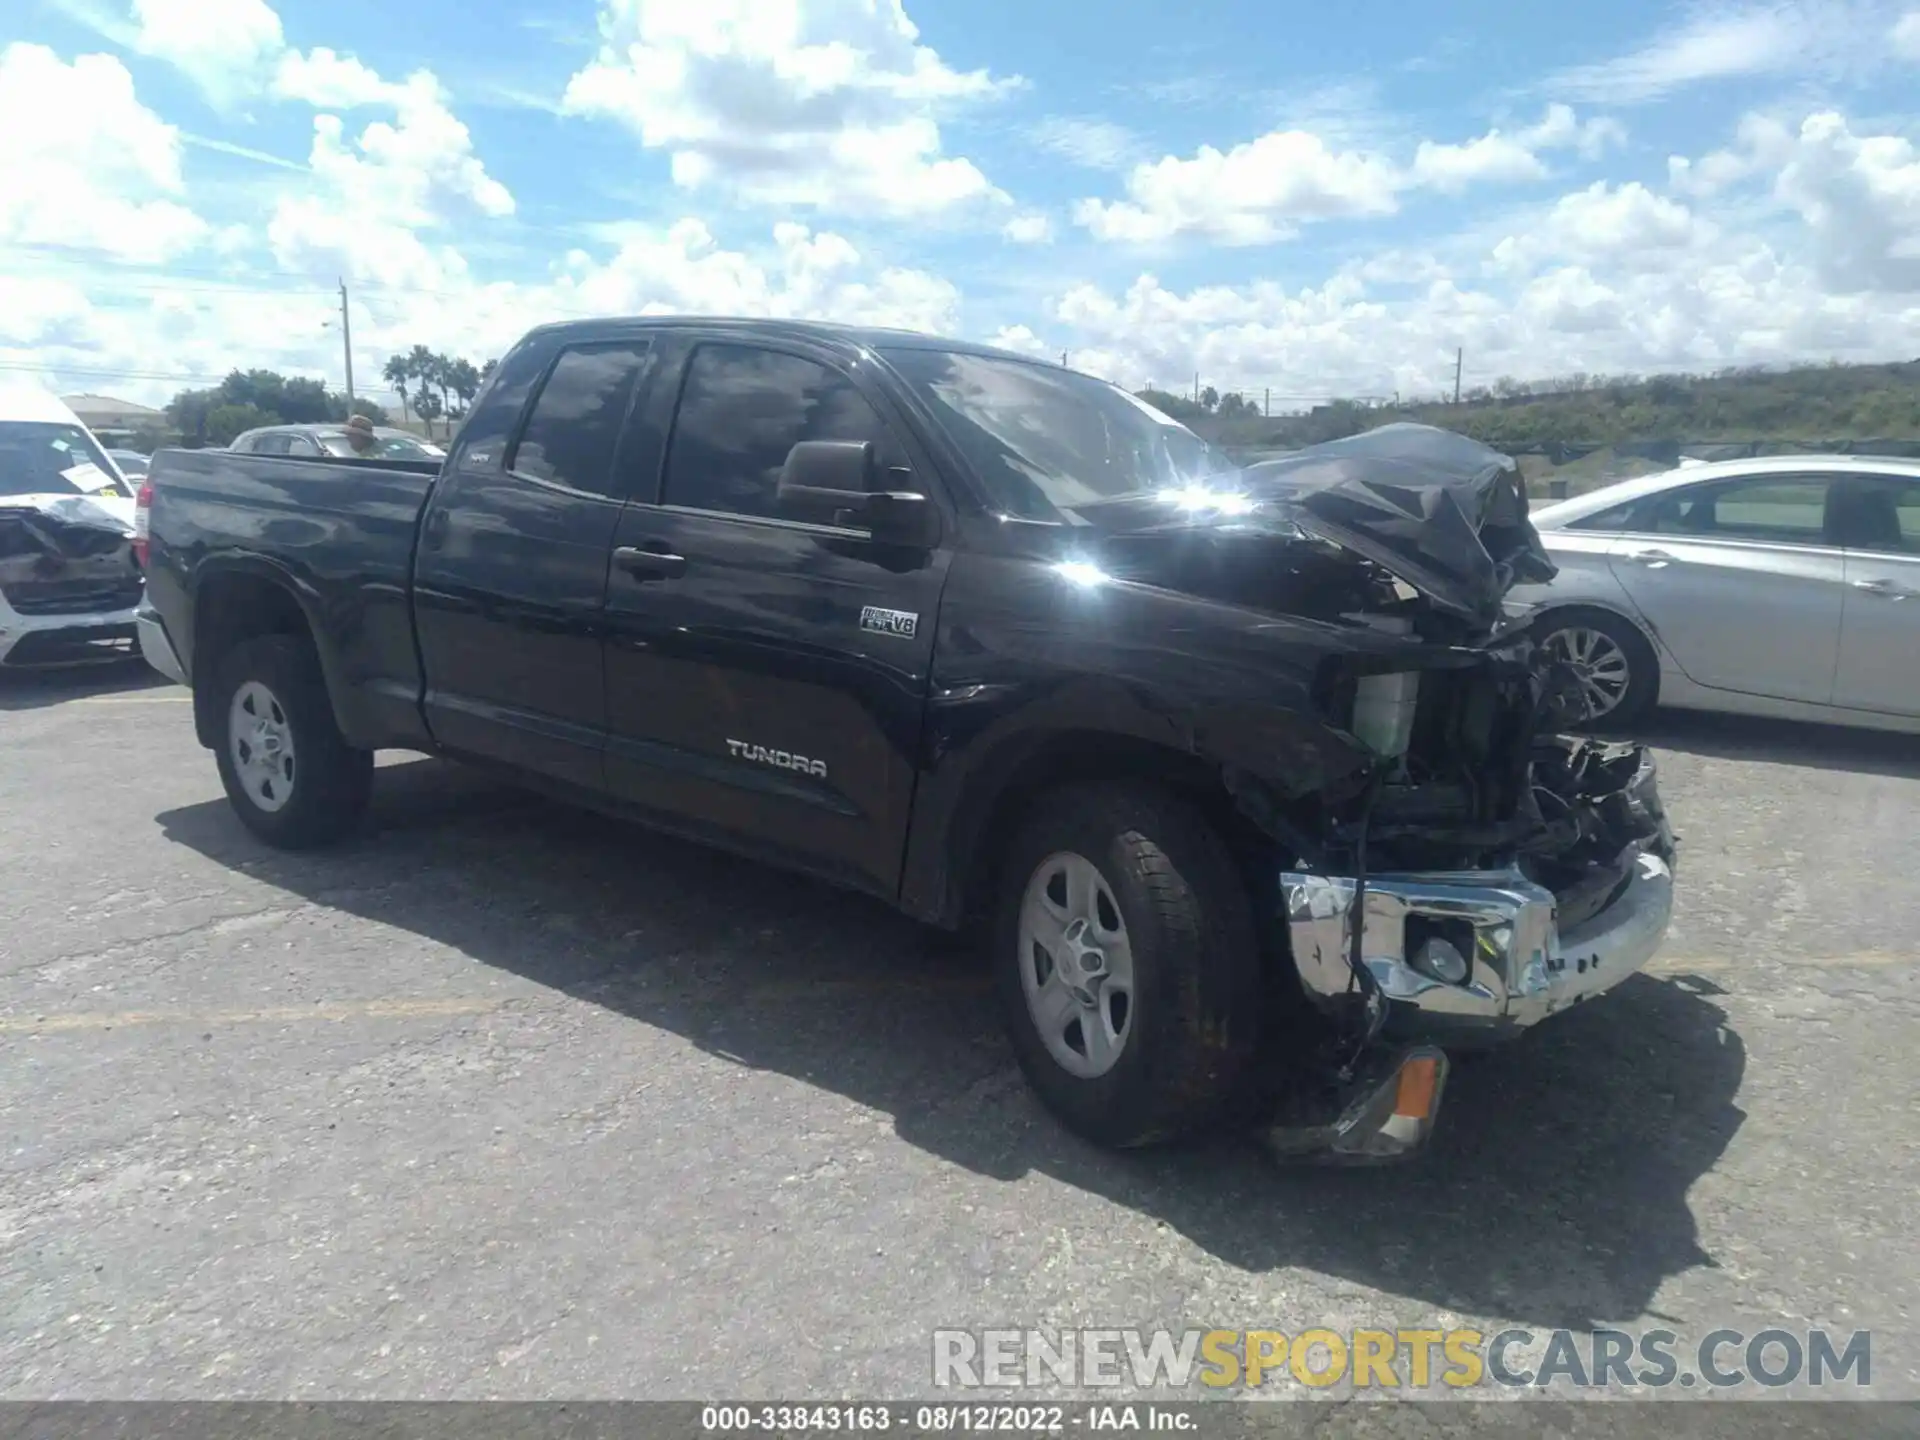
[336, 534]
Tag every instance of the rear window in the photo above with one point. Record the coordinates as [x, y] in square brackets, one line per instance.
[44, 458]
[385, 447]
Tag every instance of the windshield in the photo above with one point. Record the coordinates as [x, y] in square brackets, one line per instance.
[384, 447]
[44, 458]
[1045, 439]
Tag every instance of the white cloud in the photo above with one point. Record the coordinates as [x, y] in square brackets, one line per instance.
[1860, 198]
[1251, 194]
[226, 47]
[104, 176]
[1735, 39]
[1905, 35]
[1493, 158]
[1715, 46]
[825, 103]
[377, 197]
[1623, 228]
[328, 81]
[1029, 228]
[236, 49]
[1339, 339]
[807, 275]
[1096, 144]
[1265, 189]
[1022, 341]
[1795, 243]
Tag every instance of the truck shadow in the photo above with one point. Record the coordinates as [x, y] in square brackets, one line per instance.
[36, 689]
[1556, 1192]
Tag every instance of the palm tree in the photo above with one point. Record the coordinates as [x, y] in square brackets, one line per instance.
[465, 381]
[396, 374]
[427, 406]
[418, 363]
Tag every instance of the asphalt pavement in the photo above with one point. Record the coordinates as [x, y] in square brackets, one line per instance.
[502, 1100]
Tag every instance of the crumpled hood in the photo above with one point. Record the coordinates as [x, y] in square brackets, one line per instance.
[112, 513]
[1440, 511]
[63, 554]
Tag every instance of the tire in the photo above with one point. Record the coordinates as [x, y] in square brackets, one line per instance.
[1189, 1019]
[1569, 633]
[320, 792]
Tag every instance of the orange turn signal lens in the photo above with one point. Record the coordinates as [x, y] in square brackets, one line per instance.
[1419, 1082]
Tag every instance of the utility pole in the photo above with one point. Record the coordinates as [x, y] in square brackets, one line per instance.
[1458, 356]
[346, 343]
[1196, 387]
[1266, 403]
[1063, 359]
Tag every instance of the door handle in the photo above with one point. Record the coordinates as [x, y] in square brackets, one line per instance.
[650, 562]
[1886, 589]
[1652, 559]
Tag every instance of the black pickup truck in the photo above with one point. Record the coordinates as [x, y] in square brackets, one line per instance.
[1258, 807]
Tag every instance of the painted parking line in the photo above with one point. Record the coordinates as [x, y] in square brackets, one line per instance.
[131, 700]
[420, 1009]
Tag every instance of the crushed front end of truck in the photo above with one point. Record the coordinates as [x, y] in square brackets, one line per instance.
[1477, 868]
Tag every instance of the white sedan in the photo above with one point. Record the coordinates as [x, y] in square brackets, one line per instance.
[1787, 586]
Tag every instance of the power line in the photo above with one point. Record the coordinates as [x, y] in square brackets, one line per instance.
[103, 373]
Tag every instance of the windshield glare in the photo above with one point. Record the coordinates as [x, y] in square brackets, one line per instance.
[1046, 440]
[40, 458]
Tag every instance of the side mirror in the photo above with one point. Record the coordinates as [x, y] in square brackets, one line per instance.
[837, 477]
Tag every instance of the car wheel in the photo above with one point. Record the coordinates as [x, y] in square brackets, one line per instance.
[1127, 964]
[1617, 672]
[289, 774]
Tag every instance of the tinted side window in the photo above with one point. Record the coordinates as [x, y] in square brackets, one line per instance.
[742, 409]
[270, 445]
[1876, 512]
[1616, 518]
[1787, 508]
[574, 430]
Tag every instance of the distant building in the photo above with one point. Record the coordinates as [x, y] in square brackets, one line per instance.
[107, 417]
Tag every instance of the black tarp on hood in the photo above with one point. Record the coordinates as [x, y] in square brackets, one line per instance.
[1443, 512]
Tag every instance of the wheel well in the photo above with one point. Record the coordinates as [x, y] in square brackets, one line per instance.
[1633, 623]
[1074, 757]
[1588, 607]
[228, 609]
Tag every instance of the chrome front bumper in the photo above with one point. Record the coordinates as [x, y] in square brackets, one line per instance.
[155, 647]
[1522, 968]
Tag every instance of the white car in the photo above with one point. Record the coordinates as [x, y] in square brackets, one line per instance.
[68, 579]
[1787, 586]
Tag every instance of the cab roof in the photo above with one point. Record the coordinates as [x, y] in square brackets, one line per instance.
[867, 337]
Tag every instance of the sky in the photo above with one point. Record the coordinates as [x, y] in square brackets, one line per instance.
[1294, 201]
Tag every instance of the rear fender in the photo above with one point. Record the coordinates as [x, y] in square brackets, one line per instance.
[215, 633]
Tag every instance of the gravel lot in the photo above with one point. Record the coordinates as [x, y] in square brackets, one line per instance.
[503, 1100]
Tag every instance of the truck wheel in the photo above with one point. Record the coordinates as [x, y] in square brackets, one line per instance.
[1127, 964]
[1618, 672]
[291, 777]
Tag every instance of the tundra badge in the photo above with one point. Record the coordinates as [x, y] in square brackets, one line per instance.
[889, 622]
[779, 759]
